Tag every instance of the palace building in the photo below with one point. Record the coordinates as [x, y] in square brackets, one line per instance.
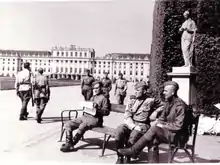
[71, 62]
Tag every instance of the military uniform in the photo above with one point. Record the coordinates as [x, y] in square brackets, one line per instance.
[41, 94]
[107, 86]
[86, 86]
[120, 91]
[23, 89]
[174, 120]
[137, 113]
[86, 122]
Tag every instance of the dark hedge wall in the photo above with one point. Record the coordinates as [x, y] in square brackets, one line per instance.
[166, 50]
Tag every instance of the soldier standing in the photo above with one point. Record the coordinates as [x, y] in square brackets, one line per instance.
[120, 89]
[86, 85]
[41, 93]
[107, 85]
[136, 119]
[87, 121]
[23, 89]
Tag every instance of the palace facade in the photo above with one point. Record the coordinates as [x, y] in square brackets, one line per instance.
[71, 62]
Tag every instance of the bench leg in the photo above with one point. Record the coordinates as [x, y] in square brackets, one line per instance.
[171, 157]
[61, 135]
[189, 155]
[104, 144]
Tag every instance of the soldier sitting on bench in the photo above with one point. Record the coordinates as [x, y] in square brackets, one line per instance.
[136, 119]
[102, 106]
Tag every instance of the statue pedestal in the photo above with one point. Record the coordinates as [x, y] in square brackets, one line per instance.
[185, 77]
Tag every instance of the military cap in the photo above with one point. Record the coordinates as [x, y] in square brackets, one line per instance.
[120, 74]
[40, 70]
[186, 12]
[87, 70]
[97, 82]
[141, 84]
[26, 65]
[175, 84]
[106, 72]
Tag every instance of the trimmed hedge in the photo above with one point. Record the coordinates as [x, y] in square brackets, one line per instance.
[166, 48]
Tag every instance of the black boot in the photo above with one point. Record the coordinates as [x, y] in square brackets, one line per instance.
[68, 146]
[153, 154]
[120, 159]
[135, 149]
[76, 138]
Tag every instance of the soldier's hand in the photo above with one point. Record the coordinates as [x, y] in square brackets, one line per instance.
[159, 125]
[137, 127]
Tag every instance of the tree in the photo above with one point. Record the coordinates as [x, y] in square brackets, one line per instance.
[166, 51]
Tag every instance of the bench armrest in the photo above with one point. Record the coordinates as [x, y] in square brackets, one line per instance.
[69, 114]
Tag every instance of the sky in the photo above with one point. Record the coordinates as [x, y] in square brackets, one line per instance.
[108, 26]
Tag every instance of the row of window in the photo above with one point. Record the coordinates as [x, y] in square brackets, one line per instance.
[71, 54]
[124, 72]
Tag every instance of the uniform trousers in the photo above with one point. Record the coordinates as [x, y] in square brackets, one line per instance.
[25, 98]
[40, 106]
[87, 94]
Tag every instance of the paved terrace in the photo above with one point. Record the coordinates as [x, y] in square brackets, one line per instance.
[29, 141]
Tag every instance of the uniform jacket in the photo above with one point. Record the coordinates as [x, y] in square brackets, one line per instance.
[41, 87]
[139, 111]
[107, 85]
[174, 117]
[23, 80]
[121, 87]
[86, 83]
[102, 105]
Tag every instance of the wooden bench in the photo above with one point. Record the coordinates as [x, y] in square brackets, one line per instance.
[110, 133]
[107, 131]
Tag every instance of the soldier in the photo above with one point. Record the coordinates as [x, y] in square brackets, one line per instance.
[107, 85]
[87, 121]
[86, 85]
[23, 89]
[41, 93]
[120, 89]
[136, 119]
[171, 123]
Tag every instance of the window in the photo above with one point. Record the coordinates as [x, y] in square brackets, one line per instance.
[76, 54]
[57, 61]
[71, 70]
[130, 72]
[99, 71]
[80, 54]
[71, 54]
[57, 53]
[13, 68]
[48, 69]
[80, 62]
[71, 61]
[61, 69]
[66, 61]
[75, 70]
[67, 54]
[114, 71]
[66, 70]
[80, 70]
[85, 54]
[136, 73]
[141, 73]
[124, 72]
[94, 71]
[75, 61]
[62, 53]
[8, 68]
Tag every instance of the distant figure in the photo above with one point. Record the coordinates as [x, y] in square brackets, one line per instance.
[102, 106]
[120, 89]
[188, 36]
[23, 89]
[86, 85]
[107, 84]
[41, 93]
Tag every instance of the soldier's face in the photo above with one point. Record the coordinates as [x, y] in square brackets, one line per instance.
[139, 92]
[96, 89]
[106, 75]
[168, 92]
[186, 15]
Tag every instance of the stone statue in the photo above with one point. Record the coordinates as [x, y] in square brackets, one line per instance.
[188, 30]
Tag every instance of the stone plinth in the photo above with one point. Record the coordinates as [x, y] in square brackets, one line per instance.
[185, 77]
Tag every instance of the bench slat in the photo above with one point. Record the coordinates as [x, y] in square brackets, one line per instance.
[105, 130]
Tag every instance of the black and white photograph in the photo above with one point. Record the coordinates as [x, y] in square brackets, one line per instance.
[110, 81]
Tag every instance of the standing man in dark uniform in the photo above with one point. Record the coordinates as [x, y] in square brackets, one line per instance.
[86, 85]
[41, 93]
[23, 89]
[87, 121]
[172, 122]
[120, 89]
[107, 85]
[136, 119]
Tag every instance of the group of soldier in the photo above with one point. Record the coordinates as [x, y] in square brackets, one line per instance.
[35, 88]
[148, 121]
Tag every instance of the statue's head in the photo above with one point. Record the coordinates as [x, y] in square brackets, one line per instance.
[186, 14]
